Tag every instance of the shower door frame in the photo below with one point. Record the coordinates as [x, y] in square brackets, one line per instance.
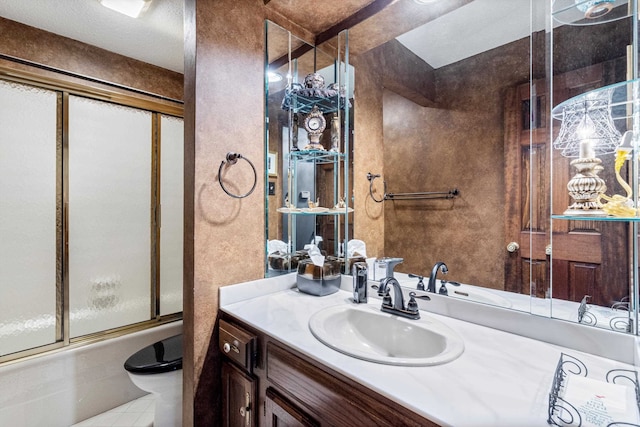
[66, 85]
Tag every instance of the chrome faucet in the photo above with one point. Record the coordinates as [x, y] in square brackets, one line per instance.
[397, 306]
[431, 287]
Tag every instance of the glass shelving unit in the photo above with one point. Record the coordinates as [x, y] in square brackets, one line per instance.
[624, 109]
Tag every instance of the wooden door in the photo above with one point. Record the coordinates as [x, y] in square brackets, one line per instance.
[526, 190]
[239, 391]
[589, 257]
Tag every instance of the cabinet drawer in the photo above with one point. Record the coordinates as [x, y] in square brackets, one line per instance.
[335, 401]
[237, 344]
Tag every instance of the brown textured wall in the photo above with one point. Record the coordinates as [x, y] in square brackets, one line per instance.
[223, 79]
[35, 45]
[407, 74]
[456, 145]
[368, 153]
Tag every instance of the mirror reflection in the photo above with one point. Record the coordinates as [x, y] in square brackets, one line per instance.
[464, 102]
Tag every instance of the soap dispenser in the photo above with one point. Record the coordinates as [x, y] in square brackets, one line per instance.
[359, 271]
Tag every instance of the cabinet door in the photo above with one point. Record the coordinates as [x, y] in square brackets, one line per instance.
[239, 391]
[281, 413]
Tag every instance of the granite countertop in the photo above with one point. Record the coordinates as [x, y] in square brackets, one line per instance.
[501, 379]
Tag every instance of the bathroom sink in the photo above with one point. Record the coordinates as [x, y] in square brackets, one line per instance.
[471, 293]
[364, 332]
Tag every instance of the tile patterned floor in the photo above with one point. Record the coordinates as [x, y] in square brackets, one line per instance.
[137, 413]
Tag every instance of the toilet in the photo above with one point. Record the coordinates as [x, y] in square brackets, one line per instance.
[158, 370]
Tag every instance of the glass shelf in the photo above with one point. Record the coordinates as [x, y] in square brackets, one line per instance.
[596, 218]
[625, 100]
[572, 12]
[301, 103]
[317, 156]
[325, 213]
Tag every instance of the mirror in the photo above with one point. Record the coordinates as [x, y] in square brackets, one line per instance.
[473, 114]
[478, 131]
[309, 104]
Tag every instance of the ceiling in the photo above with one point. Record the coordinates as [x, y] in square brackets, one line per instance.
[472, 29]
[157, 36]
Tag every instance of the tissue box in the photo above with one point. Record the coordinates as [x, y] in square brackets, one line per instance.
[318, 280]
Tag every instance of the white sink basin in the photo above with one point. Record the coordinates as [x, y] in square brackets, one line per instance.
[364, 332]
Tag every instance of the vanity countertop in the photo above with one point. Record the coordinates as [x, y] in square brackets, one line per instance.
[501, 379]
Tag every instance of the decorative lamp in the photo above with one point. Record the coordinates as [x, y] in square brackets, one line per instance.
[587, 130]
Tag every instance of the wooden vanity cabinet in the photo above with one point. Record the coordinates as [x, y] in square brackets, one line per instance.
[239, 397]
[279, 412]
[296, 391]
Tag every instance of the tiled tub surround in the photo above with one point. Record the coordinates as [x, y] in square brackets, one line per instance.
[501, 379]
[69, 386]
[137, 413]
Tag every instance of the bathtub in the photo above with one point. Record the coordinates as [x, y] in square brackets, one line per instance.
[69, 386]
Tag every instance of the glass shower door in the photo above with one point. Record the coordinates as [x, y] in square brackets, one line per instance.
[109, 211]
[29, 233]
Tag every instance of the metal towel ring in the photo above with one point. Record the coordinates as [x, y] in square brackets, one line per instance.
[371, 177]
[232, 159]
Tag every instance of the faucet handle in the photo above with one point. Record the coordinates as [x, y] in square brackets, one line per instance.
[412, 305]
[420, 285]
[443, 288]
[386, 300]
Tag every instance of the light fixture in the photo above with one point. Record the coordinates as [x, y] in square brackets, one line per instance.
[274, 77]
[593, 9]
[587, 130]
[132, 8]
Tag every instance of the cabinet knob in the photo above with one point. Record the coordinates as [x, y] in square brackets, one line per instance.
[513, 247]
[226, 347]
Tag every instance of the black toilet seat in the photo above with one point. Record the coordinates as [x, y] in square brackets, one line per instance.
[162, 356]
